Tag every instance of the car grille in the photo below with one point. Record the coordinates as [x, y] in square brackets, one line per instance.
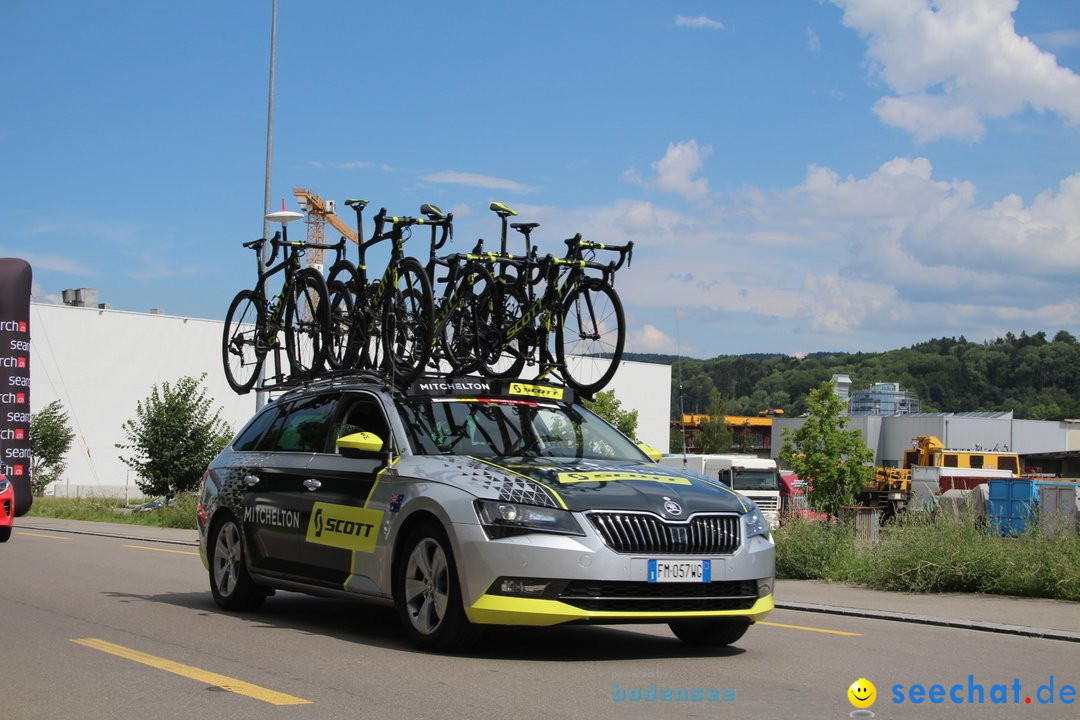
[627, 532]
[614, 596]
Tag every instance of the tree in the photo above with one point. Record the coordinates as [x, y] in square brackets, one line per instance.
[609, 408]
[173, 437]
[715, 434]
[50, 440]
[834, 460]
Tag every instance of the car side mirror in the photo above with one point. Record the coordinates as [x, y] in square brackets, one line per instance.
[652, 452]
[360, 445]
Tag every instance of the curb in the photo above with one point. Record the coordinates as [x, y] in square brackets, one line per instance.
[118, 535]
[981, 626]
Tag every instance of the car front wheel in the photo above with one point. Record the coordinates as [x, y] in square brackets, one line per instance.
[709, 634]
[232, 587]
[427, 593]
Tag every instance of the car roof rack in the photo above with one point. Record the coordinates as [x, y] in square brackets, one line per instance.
[332, 378]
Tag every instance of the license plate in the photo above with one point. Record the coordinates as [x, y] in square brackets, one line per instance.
[680, 571]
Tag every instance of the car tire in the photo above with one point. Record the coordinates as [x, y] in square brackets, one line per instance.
[230, 583]
[427, 592]
[5, 533]
[709, 634]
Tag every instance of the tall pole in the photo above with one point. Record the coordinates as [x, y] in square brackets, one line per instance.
[260, 395]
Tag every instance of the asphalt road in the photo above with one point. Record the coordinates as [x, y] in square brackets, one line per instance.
[104, 627]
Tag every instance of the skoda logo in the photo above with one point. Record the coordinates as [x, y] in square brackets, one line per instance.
[671, 507]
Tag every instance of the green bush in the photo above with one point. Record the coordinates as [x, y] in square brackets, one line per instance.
[181, 514]
[926, 554]
[813, 550]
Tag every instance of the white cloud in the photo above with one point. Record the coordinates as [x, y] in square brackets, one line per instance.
[698, 23]
[40, 295]
[813, 40]
[955, 62]
[651, 339]
[476, 180]
[897, 251]
[45, 261]
[675, 171]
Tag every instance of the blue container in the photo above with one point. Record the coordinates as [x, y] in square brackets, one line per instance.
[1011, 503]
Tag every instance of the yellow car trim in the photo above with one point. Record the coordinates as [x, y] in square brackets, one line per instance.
[502, 610]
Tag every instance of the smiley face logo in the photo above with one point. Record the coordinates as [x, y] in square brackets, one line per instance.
[862, 693]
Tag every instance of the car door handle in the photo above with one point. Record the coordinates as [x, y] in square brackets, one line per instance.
[312, 484]
[251, 480]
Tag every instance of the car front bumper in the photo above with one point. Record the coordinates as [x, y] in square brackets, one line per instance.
[557, 579]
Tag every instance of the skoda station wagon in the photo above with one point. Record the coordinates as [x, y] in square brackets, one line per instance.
[467, 502]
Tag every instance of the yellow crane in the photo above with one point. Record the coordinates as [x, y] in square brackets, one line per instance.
[319, 212]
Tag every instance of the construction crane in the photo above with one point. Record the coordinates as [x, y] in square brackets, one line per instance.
[319, 212]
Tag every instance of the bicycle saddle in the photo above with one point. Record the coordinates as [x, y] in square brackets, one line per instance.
[524, 227]
[501, 210]
[353, 203]
[432, 212]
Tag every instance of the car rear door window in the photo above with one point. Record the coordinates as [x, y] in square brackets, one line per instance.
[306, 426]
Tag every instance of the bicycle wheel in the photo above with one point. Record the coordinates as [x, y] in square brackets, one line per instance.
[590, 336]
[408, 322]
[500, 312]
[242, 346]
[307, 323]
[464, 333]
[342, 349]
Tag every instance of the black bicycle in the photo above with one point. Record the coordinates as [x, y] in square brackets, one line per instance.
[384, 324]
[300, 310]
[459, 333]
[574, 325]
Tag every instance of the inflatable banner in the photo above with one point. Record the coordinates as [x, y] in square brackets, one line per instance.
[15, 276]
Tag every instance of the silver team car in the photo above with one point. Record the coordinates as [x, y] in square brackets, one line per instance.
[471, 501]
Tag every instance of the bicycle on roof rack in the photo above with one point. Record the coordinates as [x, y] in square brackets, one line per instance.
[459, 333]
[384, 324]
[255, 320]
[574, 325]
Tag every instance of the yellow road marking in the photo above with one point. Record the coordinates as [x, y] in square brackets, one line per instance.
[812, 629]
[53, 537]
[222, 681]
[144, 547]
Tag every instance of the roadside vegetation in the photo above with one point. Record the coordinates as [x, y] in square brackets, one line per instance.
[933, 554]
[180, 513]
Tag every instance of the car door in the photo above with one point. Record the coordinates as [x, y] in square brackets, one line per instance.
[277, 495]
[341, 530]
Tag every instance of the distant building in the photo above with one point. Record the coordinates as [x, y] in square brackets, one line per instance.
[842, 386]
[883, 399]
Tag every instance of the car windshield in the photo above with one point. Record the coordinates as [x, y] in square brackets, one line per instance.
[512, 428]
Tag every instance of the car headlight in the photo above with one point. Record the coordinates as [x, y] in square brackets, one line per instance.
[755, 522]
[4, 482]
[503, 519]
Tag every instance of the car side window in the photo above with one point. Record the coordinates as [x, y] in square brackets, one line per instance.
[360, 413]
[306, 426]
[252, 436]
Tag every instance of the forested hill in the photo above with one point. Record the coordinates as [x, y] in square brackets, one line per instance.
[1036, 378]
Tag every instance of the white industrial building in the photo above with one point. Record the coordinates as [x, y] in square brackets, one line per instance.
[99, 363]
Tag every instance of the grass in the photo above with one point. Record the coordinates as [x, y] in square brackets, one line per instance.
[927, 554]
[181, 514]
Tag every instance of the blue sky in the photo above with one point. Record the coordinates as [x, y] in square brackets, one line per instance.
[797, 176]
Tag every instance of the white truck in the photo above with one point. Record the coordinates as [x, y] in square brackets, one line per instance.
[756, 478]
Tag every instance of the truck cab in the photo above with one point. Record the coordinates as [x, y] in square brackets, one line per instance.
[756, 478]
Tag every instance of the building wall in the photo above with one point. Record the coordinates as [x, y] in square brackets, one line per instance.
[101, 363]
[890, 435]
